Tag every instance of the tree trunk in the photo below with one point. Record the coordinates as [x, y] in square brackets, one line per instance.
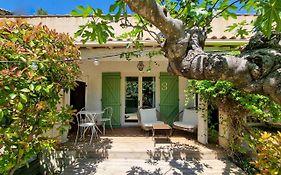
[256, 70]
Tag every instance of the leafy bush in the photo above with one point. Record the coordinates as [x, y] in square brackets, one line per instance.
[269, 153]
[243, 141]
[36, 66]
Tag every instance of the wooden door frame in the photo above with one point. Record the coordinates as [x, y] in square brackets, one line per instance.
[123, 91]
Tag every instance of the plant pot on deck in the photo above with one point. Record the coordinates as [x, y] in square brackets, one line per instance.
[55, 133]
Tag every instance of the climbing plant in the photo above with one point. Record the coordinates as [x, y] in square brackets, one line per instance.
[237, 105]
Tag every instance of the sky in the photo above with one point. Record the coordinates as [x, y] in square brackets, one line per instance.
[53, 7]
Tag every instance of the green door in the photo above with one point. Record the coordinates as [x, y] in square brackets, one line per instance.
[111, 95]
[169, 97]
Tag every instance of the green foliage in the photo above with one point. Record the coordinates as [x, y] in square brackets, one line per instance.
[193, 13]
[35, 69]
[242, 140]
[41, 11]
[268, 160]
[257, 105]
[269, 16]
[240, 28]
[99, 28]
[96, 29]
[201, 13]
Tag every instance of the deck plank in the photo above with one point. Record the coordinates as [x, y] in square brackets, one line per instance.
[137, 154]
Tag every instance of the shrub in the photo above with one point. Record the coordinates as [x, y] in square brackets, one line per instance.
[269, 153]
[36, 66]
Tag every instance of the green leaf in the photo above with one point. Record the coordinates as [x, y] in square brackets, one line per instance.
[75, 13]
[98, 12]
[38, 88]
[112, 7]
[23, 97]
[80, 7]
[31, 44]
[31, 87]
[232, 15]
[1, 114]
[25, 90]
[47, 89]
[19, 106]
[12, 96]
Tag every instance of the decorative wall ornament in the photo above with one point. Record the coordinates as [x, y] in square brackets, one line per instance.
[140, 66]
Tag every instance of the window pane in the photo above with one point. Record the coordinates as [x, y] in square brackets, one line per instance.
[148, 92]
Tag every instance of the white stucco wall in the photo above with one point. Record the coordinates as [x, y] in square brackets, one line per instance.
[70, 24]
[92, 75]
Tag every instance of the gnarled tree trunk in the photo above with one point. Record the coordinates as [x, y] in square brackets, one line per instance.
[256, 70]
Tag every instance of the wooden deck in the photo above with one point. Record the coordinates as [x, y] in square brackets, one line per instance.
[133, 152]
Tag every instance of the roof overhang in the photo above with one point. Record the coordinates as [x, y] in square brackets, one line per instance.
[151, 43]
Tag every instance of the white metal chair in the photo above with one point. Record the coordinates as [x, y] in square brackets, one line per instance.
[188, 121]
[85, 122]
[148, 117]
[106, 117]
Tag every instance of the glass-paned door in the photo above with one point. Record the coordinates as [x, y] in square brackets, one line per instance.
[131, 99]
[140, 92]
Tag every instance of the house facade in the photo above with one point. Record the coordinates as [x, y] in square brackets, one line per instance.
[126, 85]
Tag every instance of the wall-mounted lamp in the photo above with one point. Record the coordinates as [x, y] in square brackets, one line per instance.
[140, 66]
[96, 62]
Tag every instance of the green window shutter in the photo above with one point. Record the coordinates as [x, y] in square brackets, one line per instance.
[111, 95]
[169, 97]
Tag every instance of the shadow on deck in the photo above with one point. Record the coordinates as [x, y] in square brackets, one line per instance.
[132, 151]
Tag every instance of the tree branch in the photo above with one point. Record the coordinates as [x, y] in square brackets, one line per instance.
[151, 33]
[213, 7]
[256, 70]
[172, 29]
[225, 8]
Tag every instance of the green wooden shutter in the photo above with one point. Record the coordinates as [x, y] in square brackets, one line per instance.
[169, 97]
[111, 95]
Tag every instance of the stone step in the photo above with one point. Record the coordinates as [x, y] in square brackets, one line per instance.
[145, 154]
[141, 155]
[140, 148]
[137, 166]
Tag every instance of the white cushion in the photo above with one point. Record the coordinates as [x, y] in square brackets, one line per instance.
[185, 125]
[190, 117]
[189, 120]
[148, 116]
[149, 125]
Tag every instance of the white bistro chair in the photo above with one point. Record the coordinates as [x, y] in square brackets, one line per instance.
[85, 122]
[106, 117]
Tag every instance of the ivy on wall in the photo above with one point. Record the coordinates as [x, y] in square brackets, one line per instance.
[248, 146]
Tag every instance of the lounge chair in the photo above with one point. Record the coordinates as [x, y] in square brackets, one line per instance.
[188, 121]
[148, 117]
